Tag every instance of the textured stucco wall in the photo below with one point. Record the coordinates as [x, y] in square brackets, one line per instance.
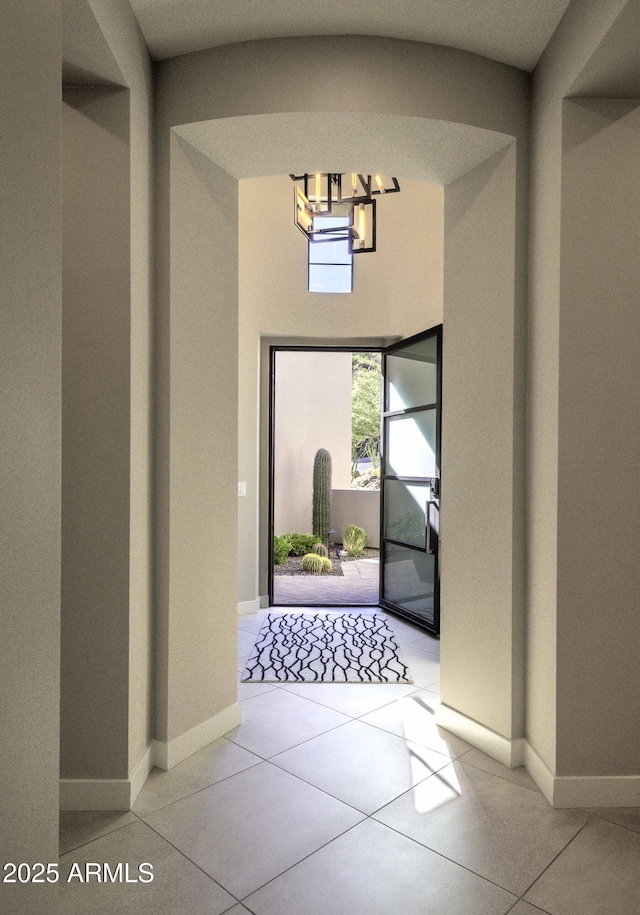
[30, 408]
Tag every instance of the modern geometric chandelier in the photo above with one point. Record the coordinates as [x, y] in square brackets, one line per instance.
[350, 196]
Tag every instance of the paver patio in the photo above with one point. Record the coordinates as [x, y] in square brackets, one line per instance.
[357, 585]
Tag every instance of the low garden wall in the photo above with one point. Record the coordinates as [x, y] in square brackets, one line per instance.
[356, 506]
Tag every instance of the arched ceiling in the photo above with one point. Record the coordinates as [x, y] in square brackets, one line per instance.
[510, 31]
[437, 152]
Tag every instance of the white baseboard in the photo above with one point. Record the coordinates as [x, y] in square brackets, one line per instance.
[560, 791]
[141, 772]
[121, 793]
[539, 772]
[582, 790]
[507, 752]
[106, 793]
[597, 791]
[168, 755]
[264, 601]
[248, 606]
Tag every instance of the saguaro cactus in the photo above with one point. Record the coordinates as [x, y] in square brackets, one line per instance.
[322, 494]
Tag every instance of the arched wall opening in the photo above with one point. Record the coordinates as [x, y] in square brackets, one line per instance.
[207, 141]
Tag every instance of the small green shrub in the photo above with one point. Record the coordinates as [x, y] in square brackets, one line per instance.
[281, 549]
[301, 543]
[354, 540]
[312, 563]
[320, 549]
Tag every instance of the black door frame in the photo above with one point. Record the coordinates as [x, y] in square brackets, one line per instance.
[273, 350]
[433, 629]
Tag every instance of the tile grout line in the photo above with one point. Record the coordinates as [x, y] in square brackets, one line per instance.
[468, 868]
[283, 685]
[302, 742]
[187, 858]
[554, 859]
[612, 823]
[261, 759]
[164, 839]
[306, 857]
[231, 908]
[96, 838]
[219, 781]
[371, 816]
[534, 790]
[518, 901]
[339, 799]
[384, 730]
[441, 854]
[406, 740]
[364, 817]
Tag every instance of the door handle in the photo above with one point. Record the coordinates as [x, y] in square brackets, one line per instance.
[431, 536]
[430, 547]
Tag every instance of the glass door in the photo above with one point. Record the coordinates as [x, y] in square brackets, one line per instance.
[410, 479]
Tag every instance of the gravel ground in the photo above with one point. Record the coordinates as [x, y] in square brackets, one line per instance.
[293, 564]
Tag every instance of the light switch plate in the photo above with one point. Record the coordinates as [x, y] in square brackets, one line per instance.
[242, 489]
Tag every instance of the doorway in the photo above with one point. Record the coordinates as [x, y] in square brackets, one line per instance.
[392, 481]
[324, 476]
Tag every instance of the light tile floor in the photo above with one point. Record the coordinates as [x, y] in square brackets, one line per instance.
[348, 799]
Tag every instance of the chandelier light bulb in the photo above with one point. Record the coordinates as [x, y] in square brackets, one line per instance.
[362, 224]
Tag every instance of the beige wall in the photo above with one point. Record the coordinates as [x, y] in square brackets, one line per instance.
[30, 318]
[312, 411]
[598, 626]
[123, 37]
[396, 292]
[197, 655]
[107, 409]
[95, 433]
[482, 599]
[576, 41]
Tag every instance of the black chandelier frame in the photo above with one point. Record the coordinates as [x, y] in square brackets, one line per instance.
[322, 193]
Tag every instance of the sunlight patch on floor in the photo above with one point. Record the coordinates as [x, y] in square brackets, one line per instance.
[419, 724]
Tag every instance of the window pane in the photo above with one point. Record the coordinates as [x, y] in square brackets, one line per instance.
[409, 580]
[329, 252]
[330, 277]
[404, 511]
[411, 375]
[411, 445]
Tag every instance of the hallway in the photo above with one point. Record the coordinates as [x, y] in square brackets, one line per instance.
[342, 798]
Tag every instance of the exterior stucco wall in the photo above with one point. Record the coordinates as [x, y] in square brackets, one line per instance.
[312, 411]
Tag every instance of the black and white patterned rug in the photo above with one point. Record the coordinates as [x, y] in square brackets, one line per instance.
[326, 648]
